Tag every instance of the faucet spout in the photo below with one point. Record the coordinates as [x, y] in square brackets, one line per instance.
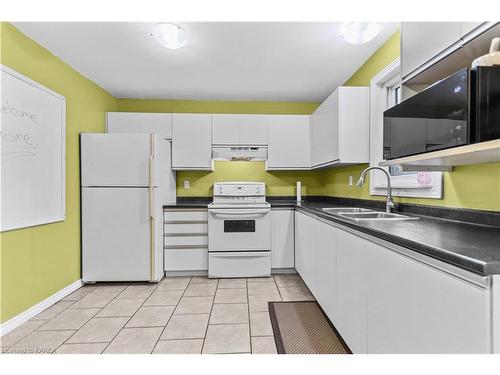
[389, 204]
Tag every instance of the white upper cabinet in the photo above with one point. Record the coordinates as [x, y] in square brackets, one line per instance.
[253, 130]
[340, 128]
[325, 130]
[191, 141]
[225, 129]
[235, 129]
[421, 41]
[288, 142]
[136, 122]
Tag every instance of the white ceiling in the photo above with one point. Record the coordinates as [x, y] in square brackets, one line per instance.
[227, 61]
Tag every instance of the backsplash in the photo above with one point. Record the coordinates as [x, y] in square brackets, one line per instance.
[474, 187]
[278, 183]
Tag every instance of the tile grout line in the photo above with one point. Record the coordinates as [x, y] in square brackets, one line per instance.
[97, 312]
[153, 290]
[181, 339]
[106, 317]
[171, 315]
[128, 320]
[46, 320]
[249, 318]
[209, 316]
[279, 292]
[36, 329]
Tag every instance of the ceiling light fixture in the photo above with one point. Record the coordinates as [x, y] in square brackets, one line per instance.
[359, 32]
[170, 35]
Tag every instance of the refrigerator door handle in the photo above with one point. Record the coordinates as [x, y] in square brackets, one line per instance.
[151, 207]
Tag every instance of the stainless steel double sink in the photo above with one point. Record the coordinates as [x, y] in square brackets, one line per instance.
[364, 214]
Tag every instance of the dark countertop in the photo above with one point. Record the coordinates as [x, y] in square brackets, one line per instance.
[473, 247]
[184, 202]
[469, 246]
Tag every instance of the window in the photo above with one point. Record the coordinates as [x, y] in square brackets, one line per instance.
[393, 93]
[385, 92]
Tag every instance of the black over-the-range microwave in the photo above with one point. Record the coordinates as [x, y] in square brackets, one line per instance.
[461, 109]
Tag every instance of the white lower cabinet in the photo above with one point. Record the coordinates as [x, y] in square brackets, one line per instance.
[282, 238]
[185, 241]
[301, 239]
[352, 287]
[387, 299]
[186, 259]
[326, 266]
[305, 249]
[413, 307]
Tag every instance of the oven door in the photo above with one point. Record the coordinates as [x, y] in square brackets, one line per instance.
[244, 229]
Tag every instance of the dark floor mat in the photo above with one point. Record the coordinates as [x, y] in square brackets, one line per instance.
[303, 328]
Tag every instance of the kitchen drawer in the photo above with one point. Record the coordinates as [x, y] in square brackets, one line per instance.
[240, 264]
[172, 241]
[197, 228]
[186, 259]
[169, 216]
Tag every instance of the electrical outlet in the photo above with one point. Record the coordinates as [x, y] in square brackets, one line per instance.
[186, 184]
[350, 180]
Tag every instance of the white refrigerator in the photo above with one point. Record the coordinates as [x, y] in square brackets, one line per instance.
[121, 207]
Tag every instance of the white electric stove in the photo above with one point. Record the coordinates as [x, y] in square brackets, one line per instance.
[239, 230]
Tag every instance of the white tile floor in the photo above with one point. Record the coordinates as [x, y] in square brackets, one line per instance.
[181, 315]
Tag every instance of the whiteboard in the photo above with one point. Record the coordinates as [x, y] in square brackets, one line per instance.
[32, 152]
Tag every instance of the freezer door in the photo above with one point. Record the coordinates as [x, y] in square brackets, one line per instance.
[118, 159]
[119, 240]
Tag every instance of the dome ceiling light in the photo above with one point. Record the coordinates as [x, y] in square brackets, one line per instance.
[170, 35]
[359, 32]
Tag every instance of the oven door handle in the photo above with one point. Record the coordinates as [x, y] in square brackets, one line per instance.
[243, 213]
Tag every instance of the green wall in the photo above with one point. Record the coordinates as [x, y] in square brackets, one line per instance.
[476, 186]
[278, 183]
[216, 106]
[39, 261]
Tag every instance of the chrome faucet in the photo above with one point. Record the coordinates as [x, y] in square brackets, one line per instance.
[389, 203]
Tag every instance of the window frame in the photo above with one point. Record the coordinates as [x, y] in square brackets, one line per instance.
[383, 87]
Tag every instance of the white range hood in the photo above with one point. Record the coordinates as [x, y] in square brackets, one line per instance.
[239, 153]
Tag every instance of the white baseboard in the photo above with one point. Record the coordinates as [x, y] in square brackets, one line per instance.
[26, 315]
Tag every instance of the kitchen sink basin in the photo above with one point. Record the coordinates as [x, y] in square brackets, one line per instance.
[338, 210]
[358, 216]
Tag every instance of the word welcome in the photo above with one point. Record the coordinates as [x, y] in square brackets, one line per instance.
[14, 111]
